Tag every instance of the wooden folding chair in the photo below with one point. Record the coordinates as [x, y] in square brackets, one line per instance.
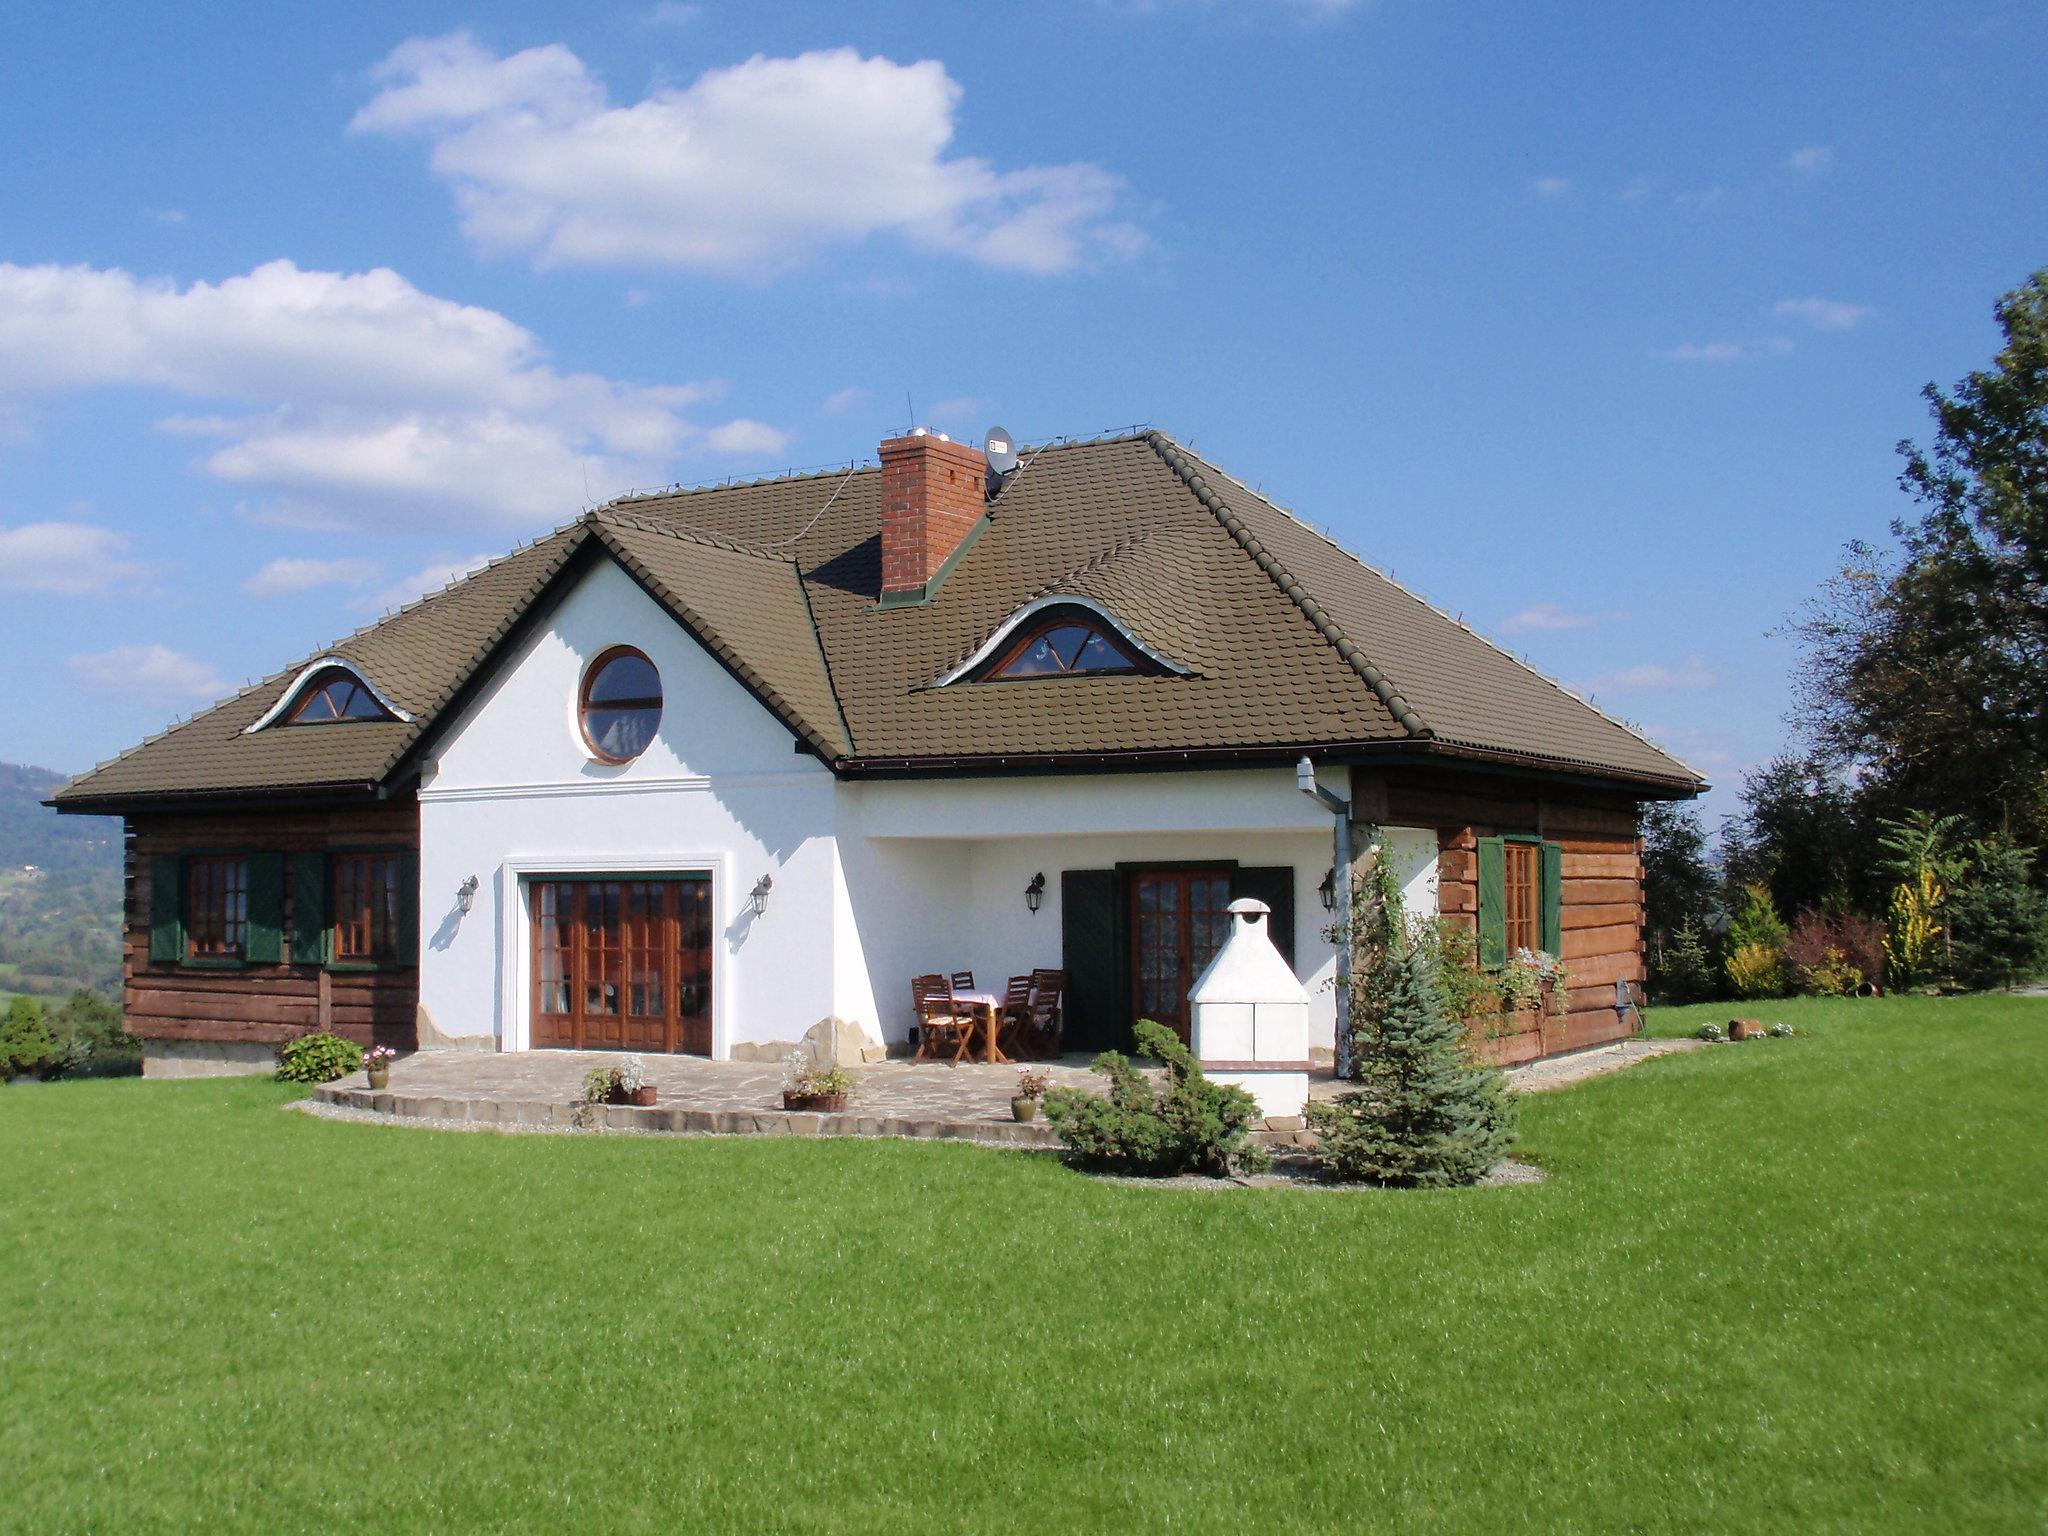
[1015, 1015]
[1048, 999]
[940, 1018]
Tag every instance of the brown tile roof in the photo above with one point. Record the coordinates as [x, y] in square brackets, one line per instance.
[1287, 640]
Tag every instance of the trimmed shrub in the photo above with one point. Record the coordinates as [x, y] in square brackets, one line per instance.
[1756, 970]
[25, 1043]
[1756, 946]
[1190, 1125]
[1424, 1112]
[319, 1058]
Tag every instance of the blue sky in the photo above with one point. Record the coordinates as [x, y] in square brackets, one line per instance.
[1597, 327]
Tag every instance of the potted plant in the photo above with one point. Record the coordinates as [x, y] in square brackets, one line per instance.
[377, 1065]
[597, 1086]
[1031, 1086]
[630, 1085]
[809, 1087]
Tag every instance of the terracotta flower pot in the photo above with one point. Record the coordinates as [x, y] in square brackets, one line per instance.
[380, 1076]
[1024, 1109]
[824, 1103]
[642, 1097]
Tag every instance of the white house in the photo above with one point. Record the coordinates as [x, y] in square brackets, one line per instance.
[701, 769]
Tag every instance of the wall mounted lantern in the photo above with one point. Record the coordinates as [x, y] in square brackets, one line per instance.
[1328, 891]
[759, 895]
[1034, 893]
[465, 893]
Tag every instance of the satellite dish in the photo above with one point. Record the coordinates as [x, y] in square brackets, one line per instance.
[1002, 451]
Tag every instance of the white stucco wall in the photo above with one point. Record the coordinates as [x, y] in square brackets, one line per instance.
[873, 882]
[515, 792]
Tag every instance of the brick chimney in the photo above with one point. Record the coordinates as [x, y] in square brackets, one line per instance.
[933, 493]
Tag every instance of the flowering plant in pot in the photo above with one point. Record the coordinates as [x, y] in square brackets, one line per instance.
[377, 1064]
[630, 1085]
[1031, 1085]
[807, 1086]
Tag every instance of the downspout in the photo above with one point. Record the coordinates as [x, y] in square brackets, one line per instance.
[1340, 882]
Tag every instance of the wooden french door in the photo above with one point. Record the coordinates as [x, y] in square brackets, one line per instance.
[1179, 918]
[622, 964]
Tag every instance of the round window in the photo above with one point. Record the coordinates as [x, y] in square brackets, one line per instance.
[621, 704]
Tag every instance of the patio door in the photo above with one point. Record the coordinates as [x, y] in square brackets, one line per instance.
[1179, 918]
[622, 963]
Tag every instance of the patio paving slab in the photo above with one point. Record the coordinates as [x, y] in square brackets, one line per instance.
[537, 1090]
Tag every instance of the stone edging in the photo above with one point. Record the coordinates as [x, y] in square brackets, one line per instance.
[676, 1120]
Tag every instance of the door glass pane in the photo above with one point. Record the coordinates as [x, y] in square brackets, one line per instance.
[601, 903]
[644, 936]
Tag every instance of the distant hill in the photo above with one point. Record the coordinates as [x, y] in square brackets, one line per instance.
[60, 923]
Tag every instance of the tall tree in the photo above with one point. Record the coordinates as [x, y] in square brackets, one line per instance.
[1924, 668]
[1799, 835]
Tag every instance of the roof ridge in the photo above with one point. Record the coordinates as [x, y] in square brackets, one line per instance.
[1347, 649]
[689, 532]
[1450, 618]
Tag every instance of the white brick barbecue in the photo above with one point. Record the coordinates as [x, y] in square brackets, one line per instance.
[1250, 1016]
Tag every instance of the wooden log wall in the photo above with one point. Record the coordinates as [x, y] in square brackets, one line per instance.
[1601, 904]
[265, 1004]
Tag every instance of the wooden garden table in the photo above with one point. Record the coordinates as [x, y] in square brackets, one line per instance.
[988, 1008]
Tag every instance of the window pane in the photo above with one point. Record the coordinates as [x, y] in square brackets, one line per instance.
[621, 733]
[1098, 655]
[1035, 660]
[625, 678]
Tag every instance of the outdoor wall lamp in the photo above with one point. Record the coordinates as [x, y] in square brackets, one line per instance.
[1328, 890]
[465, 893]
[759, 895]
[1034, 893]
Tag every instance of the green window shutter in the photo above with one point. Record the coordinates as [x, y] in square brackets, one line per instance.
[408, 908]
[1553, 899]
[266, 909]
[309, 909]
[166, 907]
[1275, 887]
[1091, 952]
[1493, 903]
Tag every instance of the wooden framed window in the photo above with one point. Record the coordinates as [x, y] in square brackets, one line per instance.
[1521, 913]
[1065, 642]
[1521, 897]
[365, 907]
[621, 705]
[216, 911]
[334, 696]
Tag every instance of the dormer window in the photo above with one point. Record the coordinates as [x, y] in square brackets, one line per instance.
[1062, 645]
[1060, 637]
[333, 696]
[329, 691]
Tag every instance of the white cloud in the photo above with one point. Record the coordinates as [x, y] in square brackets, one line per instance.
[958, 408]
[671, 13]
[1726, 351]
[170, 216]
[1550, 186]
[746, 170]
[361, 393]
[69, 558]
[1649, 677]
[1550, 616]
[744, 437]
[1822, 314]
[149, 672]
[288, 574]
[844, 399]
[431, 577]
[1811, 160]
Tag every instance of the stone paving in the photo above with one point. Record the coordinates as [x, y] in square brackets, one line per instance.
[971, 1102]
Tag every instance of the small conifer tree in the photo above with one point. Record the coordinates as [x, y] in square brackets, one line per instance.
[1424, 1113]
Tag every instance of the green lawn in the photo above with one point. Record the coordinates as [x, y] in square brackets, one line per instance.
[1790, 1285]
